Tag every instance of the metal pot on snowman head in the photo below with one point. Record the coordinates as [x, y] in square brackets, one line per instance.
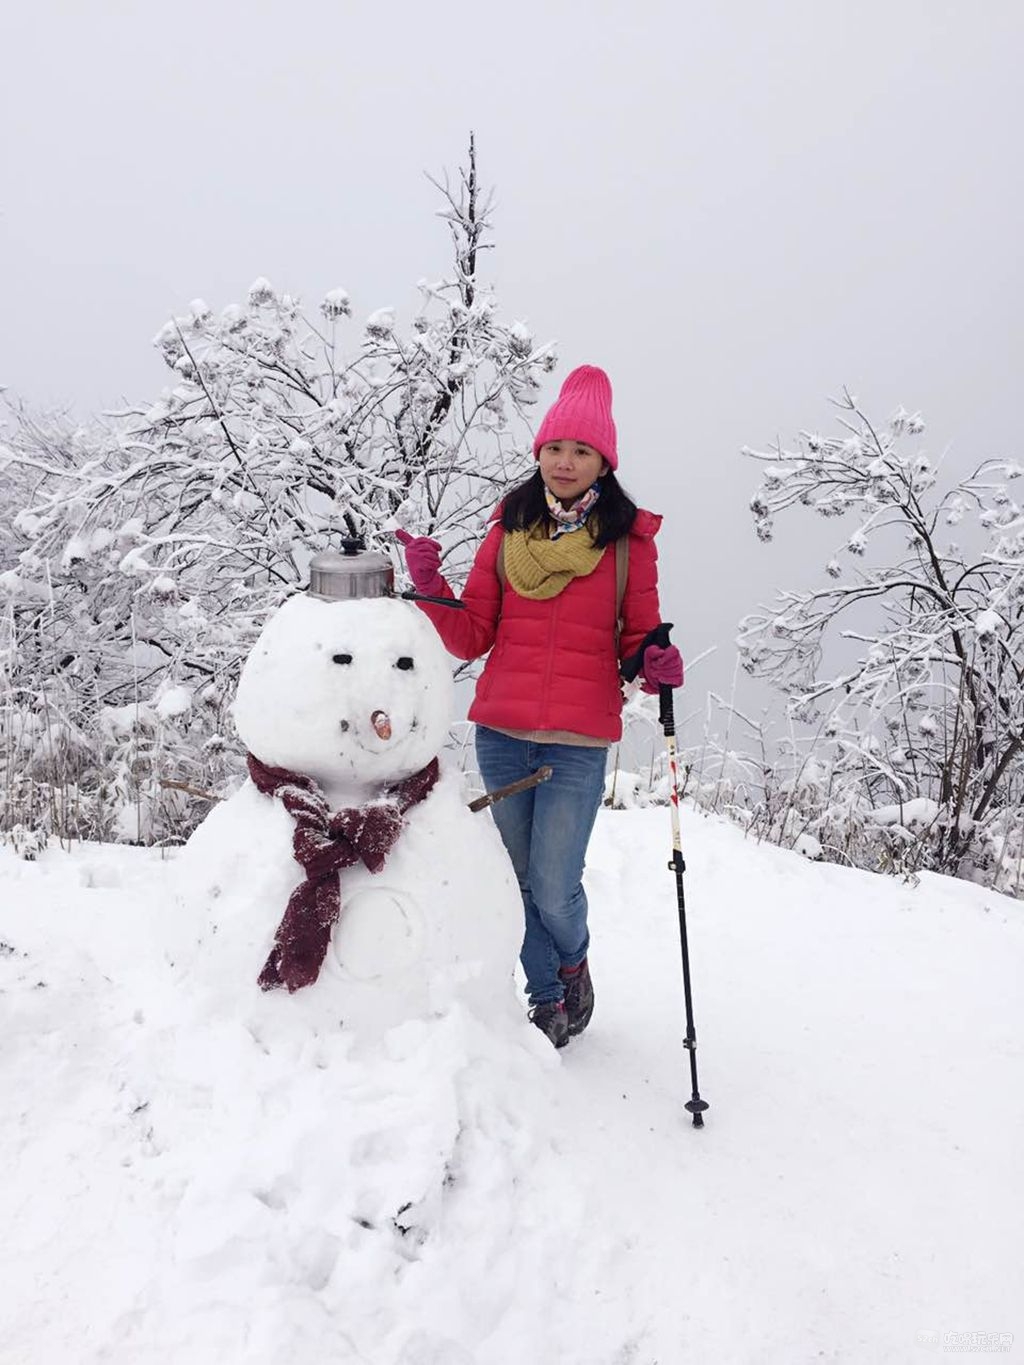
[357, 573]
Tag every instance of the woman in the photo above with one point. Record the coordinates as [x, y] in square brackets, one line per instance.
[563, 587]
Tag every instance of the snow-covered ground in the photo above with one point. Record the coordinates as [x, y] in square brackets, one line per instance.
[178, 1189]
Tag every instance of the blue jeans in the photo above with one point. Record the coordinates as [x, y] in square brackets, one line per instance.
[546, 831]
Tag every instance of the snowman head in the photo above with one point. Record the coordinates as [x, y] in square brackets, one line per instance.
[353, 694]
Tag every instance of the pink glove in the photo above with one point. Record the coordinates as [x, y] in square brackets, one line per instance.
[662, 668]
[423, 558]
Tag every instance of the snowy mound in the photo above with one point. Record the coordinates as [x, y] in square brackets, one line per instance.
[207, 1164]
[182, 1188]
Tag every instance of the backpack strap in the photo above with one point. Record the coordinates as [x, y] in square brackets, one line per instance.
[621, 579]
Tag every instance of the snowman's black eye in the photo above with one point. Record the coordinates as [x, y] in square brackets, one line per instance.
[404, 662]
[341, 658]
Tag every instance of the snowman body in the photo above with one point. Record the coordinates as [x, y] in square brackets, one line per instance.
[356, 695]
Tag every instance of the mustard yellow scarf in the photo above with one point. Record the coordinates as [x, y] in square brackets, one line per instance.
[539, 568]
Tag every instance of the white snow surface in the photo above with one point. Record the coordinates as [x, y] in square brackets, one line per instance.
[917, 813]
[173, 700]
[198, 1173]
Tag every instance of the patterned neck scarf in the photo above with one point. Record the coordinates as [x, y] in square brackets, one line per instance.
[571, 518]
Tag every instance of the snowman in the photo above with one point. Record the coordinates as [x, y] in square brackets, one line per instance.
[348, 875]
[335, 1070]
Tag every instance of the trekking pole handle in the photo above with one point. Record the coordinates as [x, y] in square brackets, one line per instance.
[631, 667]
[666, 711]
[658, 636]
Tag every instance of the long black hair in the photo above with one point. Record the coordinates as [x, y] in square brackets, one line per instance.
[615, 511]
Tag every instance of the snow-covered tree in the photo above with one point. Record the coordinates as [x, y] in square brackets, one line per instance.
[925, 721]
[146, 550]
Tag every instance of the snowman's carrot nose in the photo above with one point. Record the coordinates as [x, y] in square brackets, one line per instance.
[381, 722]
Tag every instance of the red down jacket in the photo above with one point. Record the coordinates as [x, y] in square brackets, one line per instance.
[552, 663]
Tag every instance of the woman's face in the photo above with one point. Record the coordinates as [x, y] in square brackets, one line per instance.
[568, 468]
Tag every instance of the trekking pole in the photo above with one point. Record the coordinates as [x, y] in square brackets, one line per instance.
[666, 715]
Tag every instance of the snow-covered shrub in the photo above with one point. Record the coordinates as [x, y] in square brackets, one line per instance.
[140, 556]
[922, 719]
[74, 767]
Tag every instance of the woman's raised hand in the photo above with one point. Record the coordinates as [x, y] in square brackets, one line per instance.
[423, 559]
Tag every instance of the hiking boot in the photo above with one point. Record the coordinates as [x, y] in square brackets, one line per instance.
[552, 1019]
[579, 996]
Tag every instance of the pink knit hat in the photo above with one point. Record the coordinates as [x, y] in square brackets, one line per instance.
[582, 412]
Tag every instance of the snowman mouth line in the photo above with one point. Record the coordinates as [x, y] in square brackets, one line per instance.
[383, 744]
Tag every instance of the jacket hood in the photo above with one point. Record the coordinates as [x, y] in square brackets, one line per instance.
[646, 523]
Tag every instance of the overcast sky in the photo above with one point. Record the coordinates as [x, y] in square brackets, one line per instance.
[733, 208]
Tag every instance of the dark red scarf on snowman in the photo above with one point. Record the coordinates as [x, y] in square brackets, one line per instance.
[323, 842]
